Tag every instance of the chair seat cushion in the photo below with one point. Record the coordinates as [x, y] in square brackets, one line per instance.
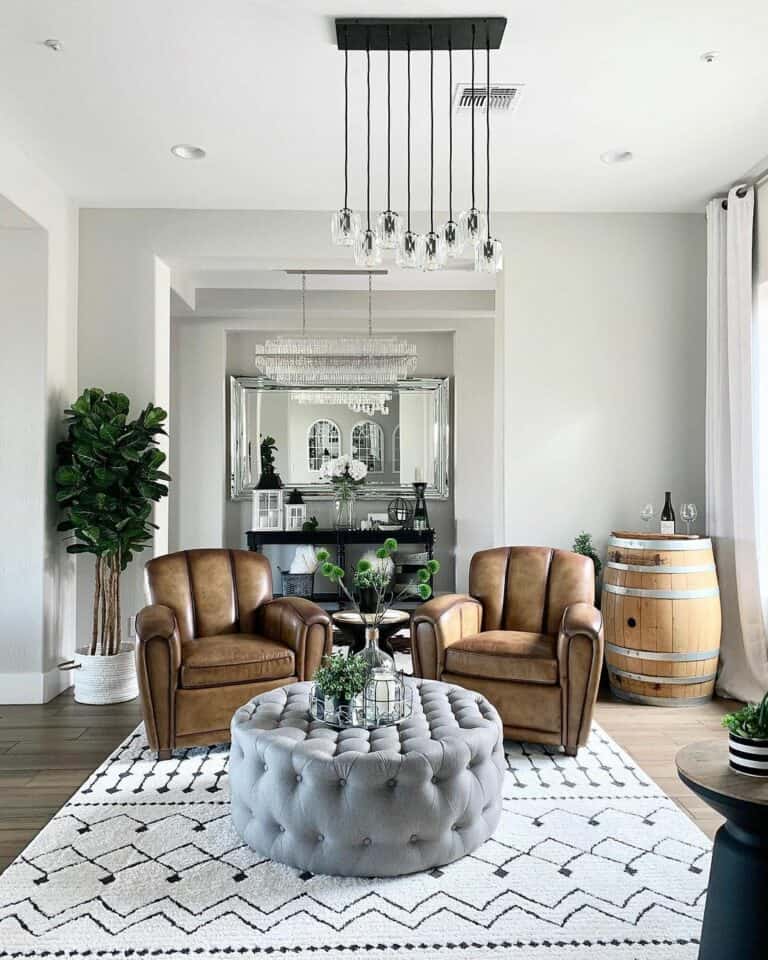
[505, 655]
[233, 658]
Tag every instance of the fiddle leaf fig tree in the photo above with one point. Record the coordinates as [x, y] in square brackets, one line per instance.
[107, 478]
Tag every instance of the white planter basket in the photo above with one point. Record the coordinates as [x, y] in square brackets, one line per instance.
[100, 679]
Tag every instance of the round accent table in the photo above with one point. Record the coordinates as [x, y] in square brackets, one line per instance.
[352, 626]
[736, 913]
[359, 803]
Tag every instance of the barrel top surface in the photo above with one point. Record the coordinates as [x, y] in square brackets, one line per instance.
[705, 763]
[441, 711]
[640, 542]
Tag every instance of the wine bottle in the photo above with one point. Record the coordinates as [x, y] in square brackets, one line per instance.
[667, 524]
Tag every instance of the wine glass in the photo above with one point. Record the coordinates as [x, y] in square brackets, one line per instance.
[647, 513]
[688, 514]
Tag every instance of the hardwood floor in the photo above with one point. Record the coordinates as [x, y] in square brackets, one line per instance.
[47, 751]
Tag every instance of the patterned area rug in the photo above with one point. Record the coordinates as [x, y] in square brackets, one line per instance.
[590, 860]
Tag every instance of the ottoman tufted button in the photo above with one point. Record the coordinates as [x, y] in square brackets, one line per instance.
[414, 838]
[366, 841]
[435, 780]
[265, 768]
[281, 828]
[392, 783]
[342, 781]
[455, 826]
[320, 838]
[298, 778]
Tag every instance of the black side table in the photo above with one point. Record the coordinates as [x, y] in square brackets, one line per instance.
[736, 912]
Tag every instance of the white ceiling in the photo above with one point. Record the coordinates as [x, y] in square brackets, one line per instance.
[259, 86]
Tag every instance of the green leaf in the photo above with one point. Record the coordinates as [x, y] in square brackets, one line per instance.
[154, 416]
[67, 476]
[79, 548]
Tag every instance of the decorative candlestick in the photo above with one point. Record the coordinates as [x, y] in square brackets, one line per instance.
[420, 515]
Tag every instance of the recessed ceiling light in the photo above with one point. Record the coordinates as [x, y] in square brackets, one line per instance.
[53, 44]
[616, 156]
[186, 151]
[711, 56]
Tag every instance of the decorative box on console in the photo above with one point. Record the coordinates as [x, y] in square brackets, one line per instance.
[295, 511]
[267, 511]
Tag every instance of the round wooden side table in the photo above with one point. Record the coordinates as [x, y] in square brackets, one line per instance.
[352, 627]
[736, 912]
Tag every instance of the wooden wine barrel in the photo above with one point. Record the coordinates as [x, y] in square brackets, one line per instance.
[661, 610]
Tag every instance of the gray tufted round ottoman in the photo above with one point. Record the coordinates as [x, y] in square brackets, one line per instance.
[365, 804]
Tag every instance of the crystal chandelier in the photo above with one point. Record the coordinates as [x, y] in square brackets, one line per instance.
[468, 235]
[367, 402]
[298, 361]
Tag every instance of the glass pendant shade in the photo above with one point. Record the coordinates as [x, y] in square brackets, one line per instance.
[489, 256]
[434, 251]
[451, 239]
[367, 249]
[389, 229]
[473, 227]
[410, 251]
[345, 226]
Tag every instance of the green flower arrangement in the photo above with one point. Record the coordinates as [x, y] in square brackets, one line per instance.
[341, 677]
[751, 722]
[365, 573]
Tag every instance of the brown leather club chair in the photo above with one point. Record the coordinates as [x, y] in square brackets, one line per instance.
[528, 637]
[213, 638]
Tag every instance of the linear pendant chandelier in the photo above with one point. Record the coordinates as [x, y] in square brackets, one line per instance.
[301, 361]
[469, 236]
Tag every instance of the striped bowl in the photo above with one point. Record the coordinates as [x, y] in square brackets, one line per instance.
[748, 756]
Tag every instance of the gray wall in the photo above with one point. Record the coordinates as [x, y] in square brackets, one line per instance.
[603, 371]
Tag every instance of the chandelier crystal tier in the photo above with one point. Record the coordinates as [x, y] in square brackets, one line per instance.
[368, 402]
[468, 235]
[301, 360]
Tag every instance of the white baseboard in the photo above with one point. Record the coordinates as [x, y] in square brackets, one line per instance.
[33, 687]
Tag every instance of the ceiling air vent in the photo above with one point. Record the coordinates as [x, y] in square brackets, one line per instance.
[504, 96]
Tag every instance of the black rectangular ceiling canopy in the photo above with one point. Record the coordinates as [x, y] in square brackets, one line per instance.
[380, 33]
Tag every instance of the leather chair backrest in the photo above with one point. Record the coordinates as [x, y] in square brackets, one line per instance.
[211, 592]
[528, 588]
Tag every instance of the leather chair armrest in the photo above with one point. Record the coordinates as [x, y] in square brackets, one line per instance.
[302, 626]
[437, 624]
[158, 660]
[580, 647]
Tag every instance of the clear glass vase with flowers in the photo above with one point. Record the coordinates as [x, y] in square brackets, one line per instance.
[345, 474]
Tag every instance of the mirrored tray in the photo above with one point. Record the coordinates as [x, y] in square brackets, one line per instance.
[376, 707]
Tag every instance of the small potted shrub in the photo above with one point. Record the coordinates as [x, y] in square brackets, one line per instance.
[748, 738]
[338, 681]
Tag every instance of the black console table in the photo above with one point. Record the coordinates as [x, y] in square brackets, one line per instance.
[340, 539]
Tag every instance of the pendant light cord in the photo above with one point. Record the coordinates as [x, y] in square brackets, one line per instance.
[473, 116]
[431, 133]
[303, 304]
[408, 138]
[488, 133]
[389, 123]
[346, 122]
[368, 79]
[450, 130]
[370, 305]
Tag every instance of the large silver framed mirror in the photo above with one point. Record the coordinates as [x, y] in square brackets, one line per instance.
[401, 433]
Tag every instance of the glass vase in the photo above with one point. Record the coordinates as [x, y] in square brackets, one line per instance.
[344, 511]
[376, 659]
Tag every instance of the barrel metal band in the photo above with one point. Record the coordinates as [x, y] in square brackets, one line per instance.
[645, 678]
[659, 701]
[662, 594]
[655, 655]
[702, 544]
[660, 568]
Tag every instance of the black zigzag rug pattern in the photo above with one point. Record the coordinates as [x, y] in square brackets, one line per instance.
[591, 859]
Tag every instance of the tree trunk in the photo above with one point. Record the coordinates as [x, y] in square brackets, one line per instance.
[96, 601]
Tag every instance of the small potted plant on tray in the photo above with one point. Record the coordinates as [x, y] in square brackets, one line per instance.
[748, 738]
[338, 681]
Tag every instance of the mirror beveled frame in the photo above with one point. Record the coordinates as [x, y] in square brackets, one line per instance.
[437, 489]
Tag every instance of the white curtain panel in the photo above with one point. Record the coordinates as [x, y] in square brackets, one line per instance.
[733, 444]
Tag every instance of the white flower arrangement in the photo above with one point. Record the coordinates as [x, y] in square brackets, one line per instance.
[344, 468]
